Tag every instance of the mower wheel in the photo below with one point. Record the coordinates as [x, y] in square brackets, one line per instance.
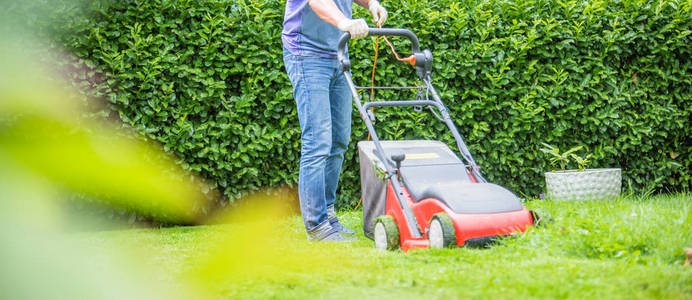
[441, 233]
[386, 233]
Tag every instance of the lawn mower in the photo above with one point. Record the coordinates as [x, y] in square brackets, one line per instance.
[419, 193]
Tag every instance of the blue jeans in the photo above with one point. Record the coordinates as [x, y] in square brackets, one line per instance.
[324, 106]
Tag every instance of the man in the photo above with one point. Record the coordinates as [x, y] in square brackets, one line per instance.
[311, 31]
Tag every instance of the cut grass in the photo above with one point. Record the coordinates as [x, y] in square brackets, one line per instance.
[618, 249]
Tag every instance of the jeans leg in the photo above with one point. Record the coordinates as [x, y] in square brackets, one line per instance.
[311, 78]
[340, 109]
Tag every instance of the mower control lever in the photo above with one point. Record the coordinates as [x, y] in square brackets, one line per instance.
[398, 158]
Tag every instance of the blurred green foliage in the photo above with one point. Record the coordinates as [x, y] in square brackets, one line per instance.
[206, 80]
[50, 151]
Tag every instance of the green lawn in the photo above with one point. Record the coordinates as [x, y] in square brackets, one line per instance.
[629, 248]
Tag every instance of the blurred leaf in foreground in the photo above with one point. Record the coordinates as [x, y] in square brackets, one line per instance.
[46, 151]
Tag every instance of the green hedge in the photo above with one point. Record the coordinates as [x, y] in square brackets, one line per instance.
[206, 79]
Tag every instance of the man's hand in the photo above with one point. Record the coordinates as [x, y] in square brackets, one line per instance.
[356, 27]
[379, 14]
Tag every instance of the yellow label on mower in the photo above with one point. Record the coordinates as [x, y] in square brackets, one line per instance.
[422, 156]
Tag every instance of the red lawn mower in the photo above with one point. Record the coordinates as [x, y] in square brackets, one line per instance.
[418, 193]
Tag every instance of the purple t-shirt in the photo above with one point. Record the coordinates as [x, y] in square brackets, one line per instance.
[305, 34]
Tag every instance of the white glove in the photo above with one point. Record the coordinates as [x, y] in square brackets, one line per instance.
[379, 14]
[356, 27]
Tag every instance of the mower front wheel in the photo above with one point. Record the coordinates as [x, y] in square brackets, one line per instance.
[386, 233]
[441, 233]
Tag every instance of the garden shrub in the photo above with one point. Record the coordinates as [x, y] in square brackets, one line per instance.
[206, 80]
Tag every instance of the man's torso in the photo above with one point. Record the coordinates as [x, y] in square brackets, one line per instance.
[304, 33]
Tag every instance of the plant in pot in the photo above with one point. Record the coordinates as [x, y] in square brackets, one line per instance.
[580, 184]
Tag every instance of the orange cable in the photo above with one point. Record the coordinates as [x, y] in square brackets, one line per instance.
[372, 79]
[410, 59]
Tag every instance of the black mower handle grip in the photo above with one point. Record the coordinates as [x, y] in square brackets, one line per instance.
[341, 50]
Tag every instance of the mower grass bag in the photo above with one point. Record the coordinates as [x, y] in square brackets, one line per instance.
[373, 182]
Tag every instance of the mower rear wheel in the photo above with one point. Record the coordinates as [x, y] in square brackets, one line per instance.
[441, 233]
[386, 233]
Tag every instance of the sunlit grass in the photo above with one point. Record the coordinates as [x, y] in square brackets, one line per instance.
[588, 250]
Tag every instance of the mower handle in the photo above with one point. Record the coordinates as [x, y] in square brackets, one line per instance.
[341, 50]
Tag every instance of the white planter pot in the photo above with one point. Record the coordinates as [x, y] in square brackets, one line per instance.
[589, 184]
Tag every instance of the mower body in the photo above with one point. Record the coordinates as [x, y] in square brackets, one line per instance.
[475, 229]
[436, 181]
